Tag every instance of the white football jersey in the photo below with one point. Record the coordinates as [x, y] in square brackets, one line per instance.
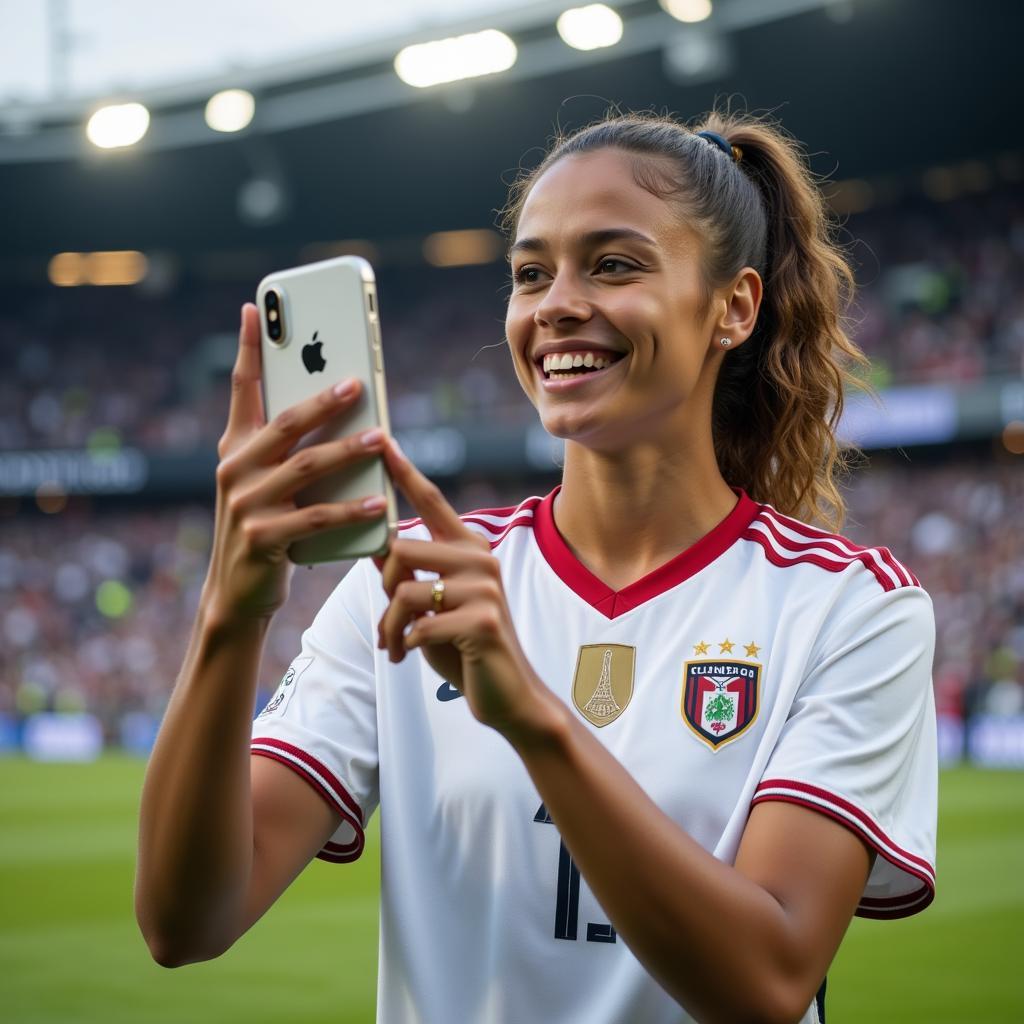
[770, 661]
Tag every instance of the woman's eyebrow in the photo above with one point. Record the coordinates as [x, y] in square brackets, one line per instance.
[592, 238]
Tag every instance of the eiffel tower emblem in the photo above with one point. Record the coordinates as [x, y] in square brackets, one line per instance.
[602, 702]
[613, 666]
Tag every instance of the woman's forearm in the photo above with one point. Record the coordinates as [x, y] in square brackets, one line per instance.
[195, 826]
[716, 940]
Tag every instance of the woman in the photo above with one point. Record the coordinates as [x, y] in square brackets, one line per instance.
[726, 714]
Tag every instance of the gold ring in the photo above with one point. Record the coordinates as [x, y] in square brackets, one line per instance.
[437, 592]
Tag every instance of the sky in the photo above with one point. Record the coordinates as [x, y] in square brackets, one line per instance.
[117, 45]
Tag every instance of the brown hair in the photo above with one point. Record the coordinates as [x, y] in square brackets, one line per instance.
[779, 396]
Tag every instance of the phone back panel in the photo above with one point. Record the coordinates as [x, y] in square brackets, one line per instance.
[331, 332]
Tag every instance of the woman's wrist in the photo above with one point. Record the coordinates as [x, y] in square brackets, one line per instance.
[543, 724]
[219, 618]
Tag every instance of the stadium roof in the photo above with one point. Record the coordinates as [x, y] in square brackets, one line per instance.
[869, 86]
[63, 52]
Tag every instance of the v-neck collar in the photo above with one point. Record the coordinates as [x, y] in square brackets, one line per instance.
[613, 603]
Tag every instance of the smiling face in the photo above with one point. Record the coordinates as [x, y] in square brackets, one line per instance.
[606, 323]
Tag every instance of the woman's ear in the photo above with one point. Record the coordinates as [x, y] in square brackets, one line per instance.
[742, 302]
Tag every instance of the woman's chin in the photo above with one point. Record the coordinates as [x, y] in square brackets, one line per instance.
[591, 431]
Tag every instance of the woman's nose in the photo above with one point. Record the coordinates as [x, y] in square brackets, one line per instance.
[564, 301]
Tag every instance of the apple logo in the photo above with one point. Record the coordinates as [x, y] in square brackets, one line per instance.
[311, 357]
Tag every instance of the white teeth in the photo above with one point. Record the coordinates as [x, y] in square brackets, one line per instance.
[559, 362]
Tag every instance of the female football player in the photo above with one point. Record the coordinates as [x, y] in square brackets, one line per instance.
[641, 747]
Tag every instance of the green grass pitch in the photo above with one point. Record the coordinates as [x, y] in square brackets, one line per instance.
[70, 951]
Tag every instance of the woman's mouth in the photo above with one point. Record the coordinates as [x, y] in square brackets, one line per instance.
[559, 366]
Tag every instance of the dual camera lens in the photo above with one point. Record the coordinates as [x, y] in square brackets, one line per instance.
[272, 314]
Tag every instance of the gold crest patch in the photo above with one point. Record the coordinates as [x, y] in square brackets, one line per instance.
[603, 685]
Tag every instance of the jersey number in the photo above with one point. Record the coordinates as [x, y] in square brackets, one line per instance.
[567, 901]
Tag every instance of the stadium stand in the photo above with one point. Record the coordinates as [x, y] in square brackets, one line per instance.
[948, 306]
[97, 600]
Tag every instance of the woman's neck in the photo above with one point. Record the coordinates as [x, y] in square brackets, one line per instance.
[623, 514]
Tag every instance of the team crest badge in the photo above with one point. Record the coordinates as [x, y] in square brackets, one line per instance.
[720, 698]
[603, 684]
[279, 702]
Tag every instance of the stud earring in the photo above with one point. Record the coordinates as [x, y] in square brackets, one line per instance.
[726, 342]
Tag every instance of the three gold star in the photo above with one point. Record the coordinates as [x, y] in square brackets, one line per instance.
[726, 646]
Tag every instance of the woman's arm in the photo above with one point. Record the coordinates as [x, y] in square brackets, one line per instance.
[746, 943]
[218, 840]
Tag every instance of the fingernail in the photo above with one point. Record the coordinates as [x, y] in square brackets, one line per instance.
[397, 449]
[373, 436]
[374, 503]
[344, 388]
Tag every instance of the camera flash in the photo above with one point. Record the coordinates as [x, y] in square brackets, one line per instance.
[272, 316]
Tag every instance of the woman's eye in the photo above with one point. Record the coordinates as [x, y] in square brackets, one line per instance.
[611, 265]
[527, 275]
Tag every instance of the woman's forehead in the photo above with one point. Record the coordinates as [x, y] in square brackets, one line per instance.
[592, 190]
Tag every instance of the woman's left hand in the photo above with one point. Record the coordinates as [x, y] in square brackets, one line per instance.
[470, 641]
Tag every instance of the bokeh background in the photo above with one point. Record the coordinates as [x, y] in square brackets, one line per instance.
[121, 274]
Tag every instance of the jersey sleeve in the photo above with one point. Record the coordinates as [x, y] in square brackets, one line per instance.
[859, 744]
[322, 720]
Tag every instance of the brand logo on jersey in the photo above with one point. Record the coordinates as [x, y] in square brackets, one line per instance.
[447, 692]
[603, 684]
[285, 689]
[720, 698]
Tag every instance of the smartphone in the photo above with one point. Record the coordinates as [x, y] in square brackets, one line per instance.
[320, 324]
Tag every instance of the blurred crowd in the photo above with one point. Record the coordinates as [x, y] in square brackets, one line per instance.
[96, 603]
[941, 298]
[940, 288]
[96, 607]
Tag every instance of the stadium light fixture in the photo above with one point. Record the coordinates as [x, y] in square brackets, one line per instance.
[118, 125]
[230, 110]
[67, 269]
[690, 11]
[590, 27]
[462, 248]
[697, 55]
[449, 60]
[122, 267]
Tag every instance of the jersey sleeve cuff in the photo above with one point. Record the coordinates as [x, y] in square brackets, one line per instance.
[910, 883]
[347, 843]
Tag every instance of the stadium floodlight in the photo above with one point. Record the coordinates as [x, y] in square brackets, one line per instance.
[230, 110]
[462, 248]
[121, 267]
[448, 60]
[118, 125]
[689, 11]
[590, 27]
[67, 269]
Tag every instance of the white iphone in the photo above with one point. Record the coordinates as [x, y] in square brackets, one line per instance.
[319, 325]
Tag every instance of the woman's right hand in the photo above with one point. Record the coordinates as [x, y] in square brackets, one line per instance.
[256, 515]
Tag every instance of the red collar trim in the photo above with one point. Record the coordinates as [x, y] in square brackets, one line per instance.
[613, 603]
